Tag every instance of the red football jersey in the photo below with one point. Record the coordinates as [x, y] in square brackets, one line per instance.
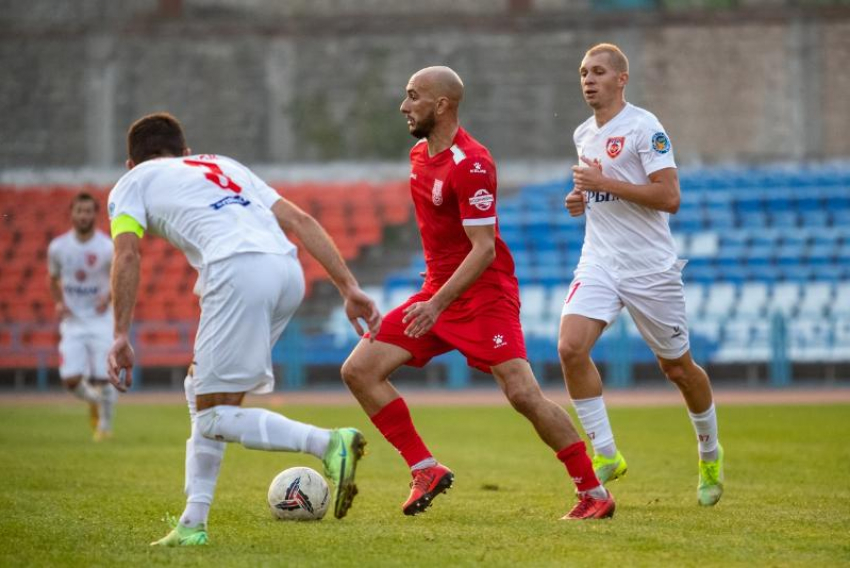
[456, 187]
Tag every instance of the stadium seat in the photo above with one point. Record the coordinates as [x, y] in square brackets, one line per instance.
[720, 301]
[783, 299]
[752, 300]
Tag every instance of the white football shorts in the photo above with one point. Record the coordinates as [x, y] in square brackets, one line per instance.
[246, 301]
[656, 303]
[84, 346]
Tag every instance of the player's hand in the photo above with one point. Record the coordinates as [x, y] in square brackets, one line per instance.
[421, 317]
[574, 202]
[588, 178]
[121, 358]
[62, 310]
[102, 304]
[360, 306]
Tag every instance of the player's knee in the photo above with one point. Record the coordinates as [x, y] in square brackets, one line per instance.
[353, 373]
[676, 373]
[523, 398]
[571, 352]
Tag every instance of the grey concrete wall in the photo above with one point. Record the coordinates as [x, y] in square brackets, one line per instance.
[268, 87]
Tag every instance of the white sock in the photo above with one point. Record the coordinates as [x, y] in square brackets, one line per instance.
[705, 425]
[108, 396]
[598, 492]
[258, 429]
[203, 462]
[594, 419]
[317, 442]
[84, 391]
[427, 462]
[195, 514]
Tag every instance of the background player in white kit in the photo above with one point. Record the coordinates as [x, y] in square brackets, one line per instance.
[78, 267]
[229, 224]
[627, 185]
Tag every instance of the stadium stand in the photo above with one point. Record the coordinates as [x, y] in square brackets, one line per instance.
[760, 242]
[167, 311]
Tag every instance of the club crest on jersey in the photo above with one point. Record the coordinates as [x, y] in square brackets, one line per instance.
[615, 145]
[660, 143]
[437, 192]
[482, 200]
[91, 259]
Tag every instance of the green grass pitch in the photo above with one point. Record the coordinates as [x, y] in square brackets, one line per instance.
[66, 501]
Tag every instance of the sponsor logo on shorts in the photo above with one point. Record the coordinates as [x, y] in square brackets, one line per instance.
[499, 341]
[437, 192]
[676, 331]
[230, 200]
[482, 200]
[476, 169]
[412, 175]
[615, 145]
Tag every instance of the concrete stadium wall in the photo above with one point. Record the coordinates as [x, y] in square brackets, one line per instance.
[282, 82]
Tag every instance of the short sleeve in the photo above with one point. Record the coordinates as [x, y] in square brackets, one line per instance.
[474, 184]
[265, 193]
[654, 148]
[54, 266]
[126, 199]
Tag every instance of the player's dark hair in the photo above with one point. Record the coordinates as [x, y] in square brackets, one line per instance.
[155, 136]
[82, 197]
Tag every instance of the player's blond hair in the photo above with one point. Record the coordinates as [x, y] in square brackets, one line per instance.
[618, 59]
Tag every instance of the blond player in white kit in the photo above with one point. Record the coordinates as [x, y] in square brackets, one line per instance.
[230, 225]
[627, 186]
[78, 265]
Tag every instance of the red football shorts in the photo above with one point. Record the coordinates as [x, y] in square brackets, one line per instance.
[483, 325]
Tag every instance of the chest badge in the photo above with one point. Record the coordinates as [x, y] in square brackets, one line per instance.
[91, 259]
[437, 192]
[615, 145]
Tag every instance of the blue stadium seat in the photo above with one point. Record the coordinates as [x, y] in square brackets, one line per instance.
[815, 218]
[763, 273]
[731, 255]
[790, 254]
[765, 238]
[749, 203]
[783, 219]
[752, 219]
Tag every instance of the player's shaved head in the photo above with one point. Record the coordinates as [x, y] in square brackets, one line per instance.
[616, 58]
[440, 81]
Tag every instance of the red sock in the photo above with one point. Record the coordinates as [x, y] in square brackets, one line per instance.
[578, 465]
[395, 424]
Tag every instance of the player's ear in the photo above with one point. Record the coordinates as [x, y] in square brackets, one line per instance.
[624, 79]
[187, 151]
[130, 164]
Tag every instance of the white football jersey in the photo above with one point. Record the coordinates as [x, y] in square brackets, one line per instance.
[83, 270]
[626, 238]
[210, 207]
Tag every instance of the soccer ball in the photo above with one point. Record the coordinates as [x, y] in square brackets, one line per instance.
[299, 494]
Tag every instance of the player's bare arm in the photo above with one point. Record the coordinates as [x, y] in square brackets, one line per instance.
[62, 310]
[422, 316]
[124, 284]
[294, 220]
[662, 193]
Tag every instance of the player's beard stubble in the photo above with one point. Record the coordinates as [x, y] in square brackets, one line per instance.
[424, 126]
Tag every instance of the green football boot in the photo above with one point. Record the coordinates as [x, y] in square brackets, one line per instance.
[182, 536]
[710, 487]
[345, 449]
[608, 469]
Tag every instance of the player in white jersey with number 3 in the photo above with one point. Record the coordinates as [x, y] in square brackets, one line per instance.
[627, 185]
[230, 225]
[78, 265]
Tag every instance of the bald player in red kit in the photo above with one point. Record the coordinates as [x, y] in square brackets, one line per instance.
[469, 301]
